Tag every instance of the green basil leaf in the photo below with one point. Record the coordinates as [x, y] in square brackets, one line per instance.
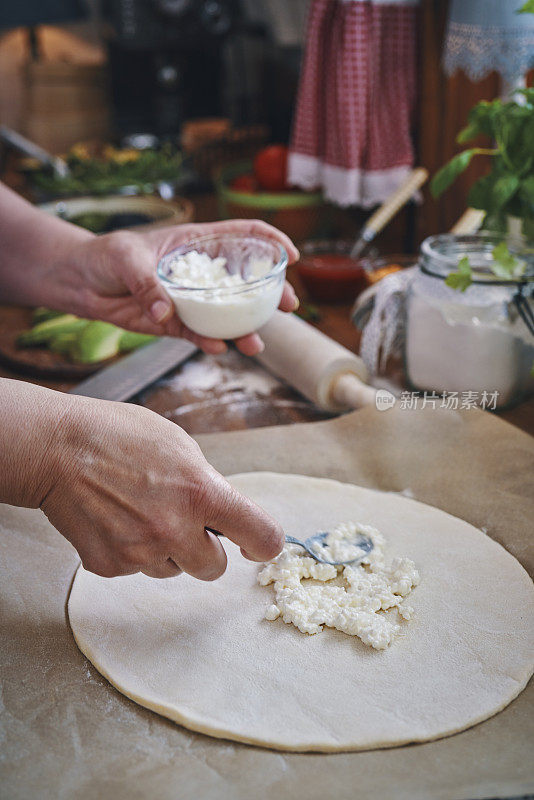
[448, 174]
[527, 190]
[496, 222]
[471, 131]
[480, 120]
[505, 265]
[516, 208]
[462, 278]
[481, 192]
[501, 254]
[515, 137]
[503, 189]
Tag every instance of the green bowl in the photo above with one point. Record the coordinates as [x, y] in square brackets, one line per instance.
[301, 215]
[271, 201]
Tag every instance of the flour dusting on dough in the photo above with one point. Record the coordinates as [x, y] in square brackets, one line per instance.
[365, 599]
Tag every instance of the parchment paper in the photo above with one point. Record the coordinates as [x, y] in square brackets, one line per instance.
[65, 733]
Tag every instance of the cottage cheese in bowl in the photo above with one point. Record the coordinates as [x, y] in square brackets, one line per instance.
[225, 286]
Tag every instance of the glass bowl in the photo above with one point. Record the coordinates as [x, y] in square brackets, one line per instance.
[231, 311]
[327, 271]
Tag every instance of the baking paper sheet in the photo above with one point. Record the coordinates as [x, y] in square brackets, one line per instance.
[66, 733]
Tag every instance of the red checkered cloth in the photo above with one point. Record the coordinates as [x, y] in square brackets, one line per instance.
[351, 131]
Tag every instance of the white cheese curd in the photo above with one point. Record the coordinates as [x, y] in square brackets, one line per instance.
[222, 305]
[341, 543]
[364, 599]
[273, 612]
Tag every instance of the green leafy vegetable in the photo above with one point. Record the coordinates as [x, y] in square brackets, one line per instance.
[480, 122]
[105, 175]
[508, 189]
[504, 188]
[504, 265]
[526, 8]
[448, 174]
[462, 278]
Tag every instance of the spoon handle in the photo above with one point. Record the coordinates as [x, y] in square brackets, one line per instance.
[292, 540]
[289, 539]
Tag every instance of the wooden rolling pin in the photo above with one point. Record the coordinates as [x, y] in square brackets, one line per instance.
[322, 370]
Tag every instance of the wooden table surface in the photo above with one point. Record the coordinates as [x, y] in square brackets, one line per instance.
[229, 392]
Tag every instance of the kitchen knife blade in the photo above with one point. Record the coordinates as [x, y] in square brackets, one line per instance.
[121, 381]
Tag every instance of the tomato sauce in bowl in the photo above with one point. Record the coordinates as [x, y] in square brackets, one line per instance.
[328, 273]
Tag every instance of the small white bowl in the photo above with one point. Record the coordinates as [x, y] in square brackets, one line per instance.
[229, 312]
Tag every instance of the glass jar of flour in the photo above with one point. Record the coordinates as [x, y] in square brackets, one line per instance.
[480, 340]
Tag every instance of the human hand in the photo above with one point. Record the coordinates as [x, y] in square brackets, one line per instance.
[132, 492]
[113, 277]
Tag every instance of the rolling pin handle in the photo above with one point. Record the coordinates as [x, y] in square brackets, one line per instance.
[352, 393]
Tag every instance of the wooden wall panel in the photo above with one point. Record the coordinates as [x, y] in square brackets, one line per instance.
[443, 107]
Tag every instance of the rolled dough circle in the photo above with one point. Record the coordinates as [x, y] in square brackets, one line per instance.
[203, 655]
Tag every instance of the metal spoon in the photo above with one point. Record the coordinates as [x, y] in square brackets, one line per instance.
[364, 543]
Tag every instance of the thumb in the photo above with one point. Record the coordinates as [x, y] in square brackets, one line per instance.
[145, 287]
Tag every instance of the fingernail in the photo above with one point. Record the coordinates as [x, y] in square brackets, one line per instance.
[160, 310]
[261, 347]
[296, 304]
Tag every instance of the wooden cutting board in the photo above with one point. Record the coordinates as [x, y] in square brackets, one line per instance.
[34, 361]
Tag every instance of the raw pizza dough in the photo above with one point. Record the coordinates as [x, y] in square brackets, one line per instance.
[203, 655]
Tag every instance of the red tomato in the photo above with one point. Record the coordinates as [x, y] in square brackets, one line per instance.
[270, 168]
[245, 183]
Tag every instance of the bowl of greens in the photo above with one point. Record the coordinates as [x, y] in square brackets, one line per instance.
[106, 214]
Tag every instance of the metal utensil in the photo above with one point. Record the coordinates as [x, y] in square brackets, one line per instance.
[127, 377]
[29, 148]
[388, 209]
[309, 544]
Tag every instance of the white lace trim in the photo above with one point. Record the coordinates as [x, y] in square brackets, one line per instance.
[479, 50]
[345, 187]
